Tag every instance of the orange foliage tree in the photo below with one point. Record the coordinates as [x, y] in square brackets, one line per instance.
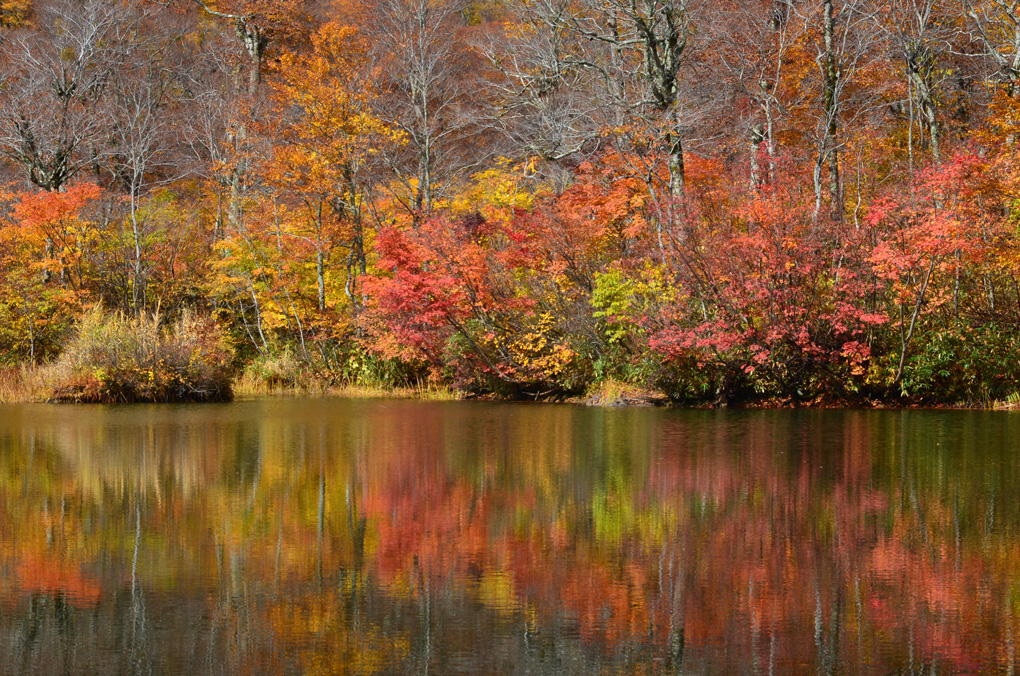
[46, 267]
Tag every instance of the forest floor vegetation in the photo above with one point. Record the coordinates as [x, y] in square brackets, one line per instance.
[114, 358]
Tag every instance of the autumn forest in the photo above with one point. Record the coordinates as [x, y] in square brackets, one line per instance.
[715, 201]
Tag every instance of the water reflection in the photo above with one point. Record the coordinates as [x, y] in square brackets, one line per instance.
[359, 537]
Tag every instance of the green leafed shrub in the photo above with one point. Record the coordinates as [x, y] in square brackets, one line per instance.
[972, 364]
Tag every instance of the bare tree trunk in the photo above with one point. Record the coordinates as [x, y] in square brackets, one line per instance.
[917, 32]
[828, 147]
[258, 317]
[137, 292]
[320, 277]
[770, 129]
[757, 137]
[926, 103]
[30, 321]
[906, 334]
[235, 215]
[674, 141]
[250, 35]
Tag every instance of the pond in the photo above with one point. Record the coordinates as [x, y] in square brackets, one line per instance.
[325, 536]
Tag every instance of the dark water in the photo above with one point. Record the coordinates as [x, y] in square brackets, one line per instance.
[359, 537]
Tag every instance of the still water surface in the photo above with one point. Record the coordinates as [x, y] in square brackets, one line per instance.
[363, 536]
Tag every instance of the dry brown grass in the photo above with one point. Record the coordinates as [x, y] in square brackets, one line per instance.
[283, 374]
[21, 384]
[249, 385]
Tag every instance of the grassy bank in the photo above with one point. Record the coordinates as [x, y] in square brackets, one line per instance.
[113, 358]
[28, 384]
[249, 388]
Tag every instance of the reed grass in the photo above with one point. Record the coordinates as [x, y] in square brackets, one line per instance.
[247, 388]
[284, 374]
[117, 358]
[249, 385]
[22, 384]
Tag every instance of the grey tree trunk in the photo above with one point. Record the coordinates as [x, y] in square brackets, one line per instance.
[320, 276]
[828, 151]
[675, 143]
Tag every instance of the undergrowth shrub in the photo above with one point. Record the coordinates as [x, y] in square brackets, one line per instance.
[286, 370]
[963, 364]
[277, 372]
[116, 358]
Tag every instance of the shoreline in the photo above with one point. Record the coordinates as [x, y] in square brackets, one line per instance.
[406, 394]
[27, 385]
